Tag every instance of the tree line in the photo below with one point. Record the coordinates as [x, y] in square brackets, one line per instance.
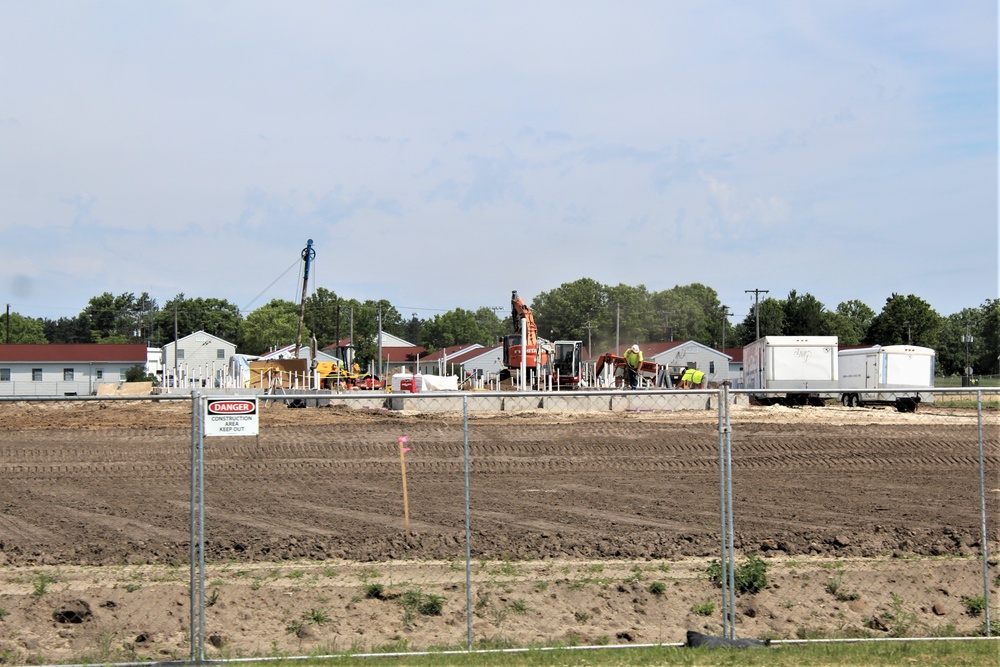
[599, 315]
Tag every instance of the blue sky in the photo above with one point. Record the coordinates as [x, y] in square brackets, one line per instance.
[441, 154]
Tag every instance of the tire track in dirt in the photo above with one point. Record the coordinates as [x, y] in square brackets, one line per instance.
[606, 485]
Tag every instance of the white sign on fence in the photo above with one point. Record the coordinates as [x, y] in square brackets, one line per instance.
[231, 416]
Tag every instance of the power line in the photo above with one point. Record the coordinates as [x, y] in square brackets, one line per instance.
[292, 266]
[756, 306]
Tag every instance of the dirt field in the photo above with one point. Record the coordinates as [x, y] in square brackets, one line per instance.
[300, 520]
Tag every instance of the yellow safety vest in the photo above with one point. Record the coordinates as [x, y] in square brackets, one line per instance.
[633, 359]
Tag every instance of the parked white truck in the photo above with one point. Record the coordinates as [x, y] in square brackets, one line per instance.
[795, 370]
[874, 376]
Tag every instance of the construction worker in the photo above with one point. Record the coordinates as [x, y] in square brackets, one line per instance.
[692, 379]
[633, 360]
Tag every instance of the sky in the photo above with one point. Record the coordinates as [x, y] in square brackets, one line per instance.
[441, 154]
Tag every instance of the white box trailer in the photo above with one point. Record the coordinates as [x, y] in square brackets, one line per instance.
[890, 375]
[793, 369]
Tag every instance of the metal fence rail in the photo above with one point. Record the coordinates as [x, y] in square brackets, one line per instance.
[479, 519]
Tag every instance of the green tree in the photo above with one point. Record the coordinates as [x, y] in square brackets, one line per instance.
[324, 317]
[460, 327]
[953, 355]
[18, 329]
[68, 330]
[689, 312]
[850, 322]
[272, 325]
[905, 320]
[772, 322]
[217, 317]
[804, 315]
[572, 311]
[366, 326]
[138, 373]
[413, 330]
[987, 360]
[125, 318]
[630, 317]
[491, 326]
[970, 337]
[455, 327]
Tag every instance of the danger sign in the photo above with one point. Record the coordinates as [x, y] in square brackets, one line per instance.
[231, 416]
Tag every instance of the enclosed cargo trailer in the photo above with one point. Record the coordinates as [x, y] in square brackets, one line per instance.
[793, 370]
[890, 375]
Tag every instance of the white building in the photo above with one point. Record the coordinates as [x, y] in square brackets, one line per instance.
[197, 360]
[692, 354]
[28, 369]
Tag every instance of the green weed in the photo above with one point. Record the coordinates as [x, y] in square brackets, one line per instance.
[750, 577]
[42, 582]
[704, 609]
[974, 606]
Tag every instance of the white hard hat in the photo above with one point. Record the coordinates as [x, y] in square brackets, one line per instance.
[635, 348]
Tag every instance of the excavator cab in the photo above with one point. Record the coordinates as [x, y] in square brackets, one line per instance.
[567, 362]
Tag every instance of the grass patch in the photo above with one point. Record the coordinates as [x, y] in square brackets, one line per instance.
[861, 654]
[835, 587]
[374, 591]
[974, 606]
[704, 609]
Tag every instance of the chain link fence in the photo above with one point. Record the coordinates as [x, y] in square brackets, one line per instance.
[372, 522]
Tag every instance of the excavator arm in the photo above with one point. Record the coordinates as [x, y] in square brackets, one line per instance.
[520, 311]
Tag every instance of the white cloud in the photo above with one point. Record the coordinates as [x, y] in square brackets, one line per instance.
[203, 135]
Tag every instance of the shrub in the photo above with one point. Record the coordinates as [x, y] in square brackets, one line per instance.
[704, 609]
[423, 603]
[750, 577]
[374, 591]
[974, 606]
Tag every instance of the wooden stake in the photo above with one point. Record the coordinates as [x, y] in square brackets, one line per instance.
[406, 501]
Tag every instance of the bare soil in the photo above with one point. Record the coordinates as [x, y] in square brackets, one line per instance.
[574, 518]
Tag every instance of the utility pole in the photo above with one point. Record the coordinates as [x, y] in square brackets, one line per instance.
[174, 384]
[725, 313]
[967, 339]
[590, 348]
[667, 329]
[308, 255]
[618, 326]
[381, 373]
[8, 326]
[756, 306]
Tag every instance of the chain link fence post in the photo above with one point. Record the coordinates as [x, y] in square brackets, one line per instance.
[982, 510]
[468, 526]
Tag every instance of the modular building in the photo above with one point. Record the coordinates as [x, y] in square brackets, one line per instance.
[890, 375]
[791, 369]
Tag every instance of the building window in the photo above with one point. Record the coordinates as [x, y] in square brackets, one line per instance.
[711, 368]
[220, 353]
[100, 373]
[68, 374]
[122, 372]
[36, 374]
[4, 375]
[180, 354]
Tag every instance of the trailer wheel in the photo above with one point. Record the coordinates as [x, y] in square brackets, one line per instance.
[906, 405]
[851, 400]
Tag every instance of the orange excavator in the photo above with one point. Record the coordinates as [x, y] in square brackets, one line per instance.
[566, 356]
[535, 350]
